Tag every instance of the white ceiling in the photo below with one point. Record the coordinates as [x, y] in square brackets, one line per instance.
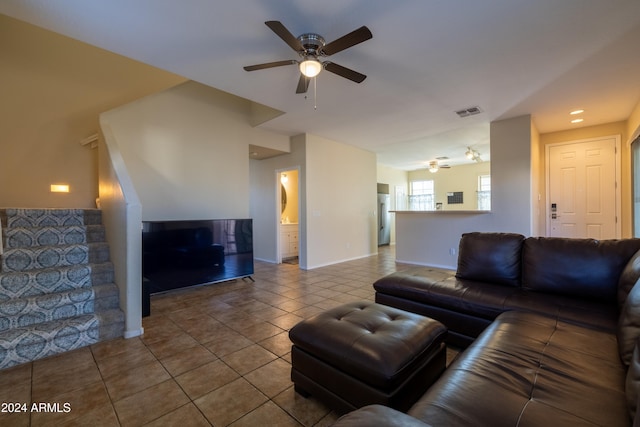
[427, 59]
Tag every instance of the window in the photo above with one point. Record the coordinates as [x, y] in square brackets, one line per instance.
[422, 197]
[484, 192]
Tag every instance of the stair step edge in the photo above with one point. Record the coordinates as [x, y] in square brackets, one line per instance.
[23, 312]
[37, 282]
[22, 237]
[26, 259]
[30, 217]
[26, 344]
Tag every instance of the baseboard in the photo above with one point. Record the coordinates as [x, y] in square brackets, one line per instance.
[309, 267]
[134, 333]
[423, 264]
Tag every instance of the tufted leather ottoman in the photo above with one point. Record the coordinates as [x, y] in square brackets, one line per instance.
[364, 353]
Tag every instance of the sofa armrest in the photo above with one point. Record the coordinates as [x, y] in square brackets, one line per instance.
[378, 416]
[629, 277]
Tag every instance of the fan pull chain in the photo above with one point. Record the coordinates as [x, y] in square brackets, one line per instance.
[315, 94]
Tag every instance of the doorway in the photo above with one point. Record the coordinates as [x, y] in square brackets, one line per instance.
[288, 218]
[583, 198]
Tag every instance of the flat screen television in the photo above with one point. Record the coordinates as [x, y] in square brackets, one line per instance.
[176, 254]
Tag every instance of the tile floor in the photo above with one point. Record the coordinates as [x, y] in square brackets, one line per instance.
[211, 355]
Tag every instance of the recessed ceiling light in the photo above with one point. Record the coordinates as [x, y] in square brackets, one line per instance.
[574, 112]
[577, 120]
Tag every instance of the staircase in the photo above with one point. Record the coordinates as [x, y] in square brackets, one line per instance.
[56, 284]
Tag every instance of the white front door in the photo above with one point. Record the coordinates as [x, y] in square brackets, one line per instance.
[583, 197]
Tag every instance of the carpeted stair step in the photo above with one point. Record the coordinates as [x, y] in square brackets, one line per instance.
[107, 297]
[98, 253]
[24, 259]
[56, 284]
[38, 282]
[21, 312]
[21, 345]
[102, 273]
[13, 217]
[111, 324]
[23, 237]
[51, 280]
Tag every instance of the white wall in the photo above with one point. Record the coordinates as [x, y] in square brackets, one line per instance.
[187, 152]
[428, 238]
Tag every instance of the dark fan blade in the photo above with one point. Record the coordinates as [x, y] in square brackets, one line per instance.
[344, 72]
[284, 34]
[269, 65]
[346, 41]
[303, 84]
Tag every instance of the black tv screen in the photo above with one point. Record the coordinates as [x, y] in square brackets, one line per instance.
[176, 254]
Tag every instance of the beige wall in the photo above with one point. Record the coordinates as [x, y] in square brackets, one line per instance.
[459, 178]
[341, 202]
[432, 238]
[537, 183]
[290, 213]
[617, 128]
[264, 205]
[187, 151]
[633, 125]
[337, 196]
[53, 89]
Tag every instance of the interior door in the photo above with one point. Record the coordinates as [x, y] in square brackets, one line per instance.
[582, 192]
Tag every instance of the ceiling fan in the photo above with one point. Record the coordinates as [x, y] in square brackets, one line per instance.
[435, 166]
[311, 47]
[473, 155]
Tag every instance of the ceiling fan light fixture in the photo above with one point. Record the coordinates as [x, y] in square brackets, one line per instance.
[433, 167]
[469, 154]
[310, 67]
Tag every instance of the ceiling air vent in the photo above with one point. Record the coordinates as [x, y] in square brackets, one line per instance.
[471, 111]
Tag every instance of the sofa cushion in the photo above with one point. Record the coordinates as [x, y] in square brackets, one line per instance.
[629, 325]
[583, 268]
[378, 416]
[490, 257]
[526, 370]
[588, 313]
[484, 300]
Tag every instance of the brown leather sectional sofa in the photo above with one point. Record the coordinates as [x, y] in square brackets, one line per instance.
[553, 324]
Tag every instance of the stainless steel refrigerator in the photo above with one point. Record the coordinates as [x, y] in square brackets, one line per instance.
[384, 219]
